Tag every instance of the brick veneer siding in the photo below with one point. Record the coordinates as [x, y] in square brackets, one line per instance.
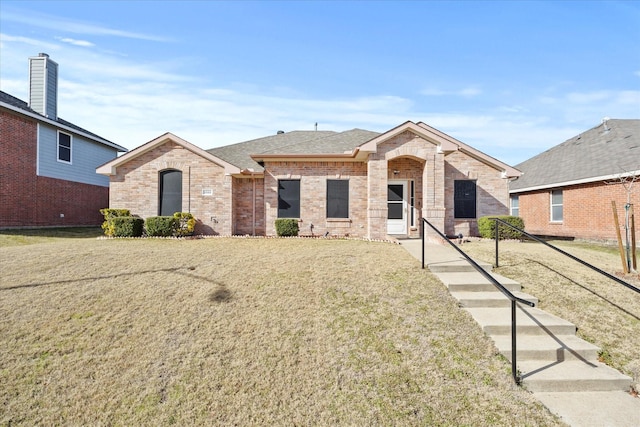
[313, 194]
[415, 159]
[492, 192]
[28, 200]
[248, 210]
[136, 187]
[587, 212]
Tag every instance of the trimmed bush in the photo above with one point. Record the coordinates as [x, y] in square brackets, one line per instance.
[109, 215]
[286, 227]
[185, 224]
[127, 226]
[163, 226]
[486, 227]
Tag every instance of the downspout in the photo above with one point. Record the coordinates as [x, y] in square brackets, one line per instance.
[189, 203]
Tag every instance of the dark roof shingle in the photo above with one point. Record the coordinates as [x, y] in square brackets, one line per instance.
[608, 149]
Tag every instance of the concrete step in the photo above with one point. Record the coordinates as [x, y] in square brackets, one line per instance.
[457, 266]
[489, 299]
[475, 282]
[551, 348]
[532, 321]
[570, 376]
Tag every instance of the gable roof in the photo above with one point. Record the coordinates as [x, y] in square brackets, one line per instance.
[19, 106]
[446, 144]
[110, 167]
[246, 155]
[604, 152]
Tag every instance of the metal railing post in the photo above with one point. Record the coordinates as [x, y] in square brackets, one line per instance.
[497, 235]
[422, 233]
[514, 367]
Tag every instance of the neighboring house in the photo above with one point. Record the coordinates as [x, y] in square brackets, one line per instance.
[356, 183]
[567, 190]
[47, 165]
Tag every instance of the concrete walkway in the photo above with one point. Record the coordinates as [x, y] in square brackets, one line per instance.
[560, 369]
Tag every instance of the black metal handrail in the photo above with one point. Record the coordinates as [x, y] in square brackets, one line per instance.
[586, 264]
[494, 282]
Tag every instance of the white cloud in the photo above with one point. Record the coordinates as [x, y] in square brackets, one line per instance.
[77, 27]
[75, 42]
[466, 92]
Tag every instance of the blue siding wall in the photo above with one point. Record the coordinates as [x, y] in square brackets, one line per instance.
[86, 156]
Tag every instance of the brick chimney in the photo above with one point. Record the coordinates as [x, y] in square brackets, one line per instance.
[43, 85]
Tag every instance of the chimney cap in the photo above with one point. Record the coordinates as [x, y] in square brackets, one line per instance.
[43, 55]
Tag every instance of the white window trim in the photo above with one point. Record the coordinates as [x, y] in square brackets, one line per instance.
[511, 208]
[70, 148]
[552, 205]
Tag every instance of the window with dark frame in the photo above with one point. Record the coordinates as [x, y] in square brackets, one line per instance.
[464, 199]
[289, 198]
[170, 192]
[337, 198]
[64, 147]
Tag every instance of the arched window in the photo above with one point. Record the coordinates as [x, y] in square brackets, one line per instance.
[170, 192]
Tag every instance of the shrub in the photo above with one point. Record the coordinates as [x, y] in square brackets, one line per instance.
[109, 215]
[185, 223]
[160, 226]
[127, 226]
[486, 227]
[286, 227]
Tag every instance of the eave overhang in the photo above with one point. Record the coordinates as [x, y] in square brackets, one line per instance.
[110, 168]
[66, 128]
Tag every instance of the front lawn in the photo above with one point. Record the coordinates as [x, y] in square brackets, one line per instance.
[230, 331]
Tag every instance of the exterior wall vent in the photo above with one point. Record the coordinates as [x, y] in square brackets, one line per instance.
[43, 85]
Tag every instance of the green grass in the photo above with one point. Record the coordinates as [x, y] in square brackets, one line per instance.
[15, 237]
[242, 332]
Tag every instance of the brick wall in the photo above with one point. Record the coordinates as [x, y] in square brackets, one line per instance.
[587, 212]
[136, 187]
[313, 188]
[248, 209]
[27, 200]
[492, 192]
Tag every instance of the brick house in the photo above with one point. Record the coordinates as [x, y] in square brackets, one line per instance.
[47, 165]
[567, 190]
[356, 183]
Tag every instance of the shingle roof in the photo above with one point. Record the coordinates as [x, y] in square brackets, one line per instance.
[295, 142]
[608, 149]
[22, 105]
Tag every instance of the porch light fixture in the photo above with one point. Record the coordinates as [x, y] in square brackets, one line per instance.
[396, 171]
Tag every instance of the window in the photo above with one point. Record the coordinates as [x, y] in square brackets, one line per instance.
[337, 198]
[515, 205]
[64, 147]
[556, 206]
[289, 198]
[170, 192]
[464, 199]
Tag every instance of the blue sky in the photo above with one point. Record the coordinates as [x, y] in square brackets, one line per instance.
[510, 78]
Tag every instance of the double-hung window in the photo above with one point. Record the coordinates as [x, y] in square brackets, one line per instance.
[289, 198]
[464, 199]
[556, 206]
[515, 205]
[64, 147]
[337, 198]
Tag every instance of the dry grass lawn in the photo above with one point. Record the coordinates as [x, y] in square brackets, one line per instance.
[605, 312]
[240, 332]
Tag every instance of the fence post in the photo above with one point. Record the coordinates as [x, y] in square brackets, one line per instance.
[422, 232]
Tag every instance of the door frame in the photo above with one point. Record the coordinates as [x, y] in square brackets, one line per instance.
[399, 226]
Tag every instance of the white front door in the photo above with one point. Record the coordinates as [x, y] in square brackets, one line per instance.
[397, 207]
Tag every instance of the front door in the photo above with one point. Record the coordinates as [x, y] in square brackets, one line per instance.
[397, 207]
